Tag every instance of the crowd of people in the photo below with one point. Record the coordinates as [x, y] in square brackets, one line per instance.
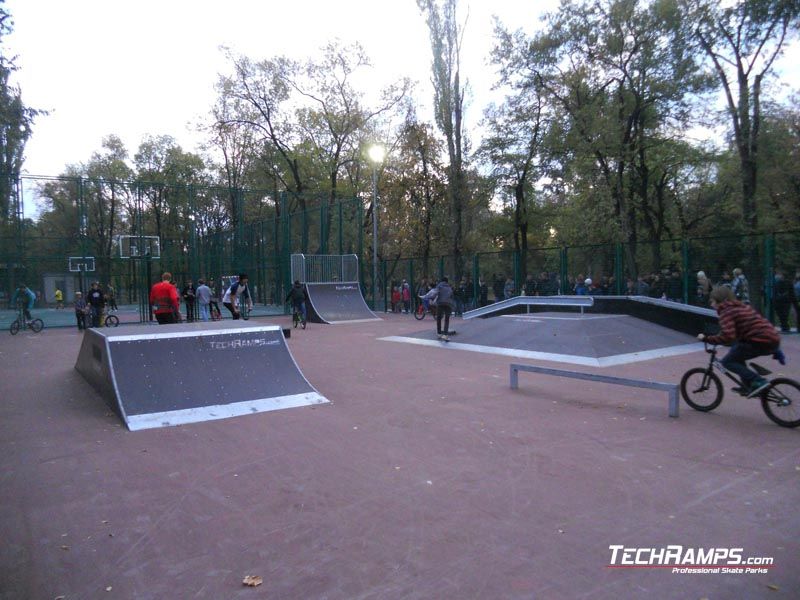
[667, 284]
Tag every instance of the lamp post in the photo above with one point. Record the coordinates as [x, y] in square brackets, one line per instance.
[376, 155]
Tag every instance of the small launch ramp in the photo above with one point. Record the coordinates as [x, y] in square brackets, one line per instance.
[186, 373]
[337, 303]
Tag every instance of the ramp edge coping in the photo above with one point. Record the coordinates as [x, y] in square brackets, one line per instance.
[188, 333]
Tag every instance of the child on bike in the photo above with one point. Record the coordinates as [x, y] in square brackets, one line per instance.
[749, 335]
[26, 298]
[297, 296]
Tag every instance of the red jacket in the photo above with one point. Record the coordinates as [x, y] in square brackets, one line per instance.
[164, 298]
[741, 322]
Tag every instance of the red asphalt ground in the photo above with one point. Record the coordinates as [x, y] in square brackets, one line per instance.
[427, 477]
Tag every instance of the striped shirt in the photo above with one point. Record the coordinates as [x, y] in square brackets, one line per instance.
[741, 322]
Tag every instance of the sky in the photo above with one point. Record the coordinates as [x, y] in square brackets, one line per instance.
[149, 67]
[134, 68]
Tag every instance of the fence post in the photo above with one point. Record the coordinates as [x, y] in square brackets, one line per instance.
[685, 269]
[563, 271]
[341, 220]
[515, 261]
[360, 253]
[384, 286]
[769, 275]
[476, 275]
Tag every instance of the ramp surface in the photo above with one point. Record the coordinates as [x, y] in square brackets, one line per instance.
[337, 303]
[595, 340]
[176, 374]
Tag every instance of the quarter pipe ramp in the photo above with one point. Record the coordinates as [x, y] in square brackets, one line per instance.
[186, 373]
[337, 303]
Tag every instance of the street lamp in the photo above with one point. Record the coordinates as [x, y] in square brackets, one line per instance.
[376, 154]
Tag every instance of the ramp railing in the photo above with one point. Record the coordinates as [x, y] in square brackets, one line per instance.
[576, 301]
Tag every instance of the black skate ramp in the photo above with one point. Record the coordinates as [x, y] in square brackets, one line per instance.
[337, 303]
[186, 373]
[595, 340]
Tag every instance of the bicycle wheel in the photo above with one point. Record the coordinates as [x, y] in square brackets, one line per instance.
[37, 325]
[419, 313]
[781, 402]
[14, 329]
[701, 389]
[112, 321]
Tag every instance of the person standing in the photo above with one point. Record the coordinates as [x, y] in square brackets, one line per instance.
[740, 287]
[97, 303]
[508, 289]
[59, 299]
[703, 289]
[80, 311]
[111, 294]
[782, 299]
[235, 295]
[164, 300]
[204, 300]
[189, 294]
[443, 294]
[483, 292]
[406, 296]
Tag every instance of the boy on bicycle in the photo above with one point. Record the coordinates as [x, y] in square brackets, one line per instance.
[749, 335]
[25, 297]
[297, 295]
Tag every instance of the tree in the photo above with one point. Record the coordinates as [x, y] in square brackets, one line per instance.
[415, 187]
[16, 123]
[164, 172]
[623, 76]
[446, 35]
[513, 146]
[743, 41]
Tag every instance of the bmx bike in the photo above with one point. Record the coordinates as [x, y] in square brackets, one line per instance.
[702, 389]
[214, 312]
[420, 312]
[297, 318]
[244, 310]
[21, 324]
[111, 321]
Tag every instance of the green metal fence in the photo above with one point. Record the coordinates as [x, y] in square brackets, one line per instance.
[669, 267]
[214, 233]
[204, 232]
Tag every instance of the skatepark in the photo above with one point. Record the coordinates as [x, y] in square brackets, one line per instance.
[423, 475]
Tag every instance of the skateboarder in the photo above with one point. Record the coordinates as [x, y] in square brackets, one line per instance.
[443, 294]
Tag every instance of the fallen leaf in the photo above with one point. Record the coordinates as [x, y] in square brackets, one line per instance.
[252, 580]
[773, 587]
[65, 547]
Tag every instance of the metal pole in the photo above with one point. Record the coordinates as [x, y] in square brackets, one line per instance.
[374, 234]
